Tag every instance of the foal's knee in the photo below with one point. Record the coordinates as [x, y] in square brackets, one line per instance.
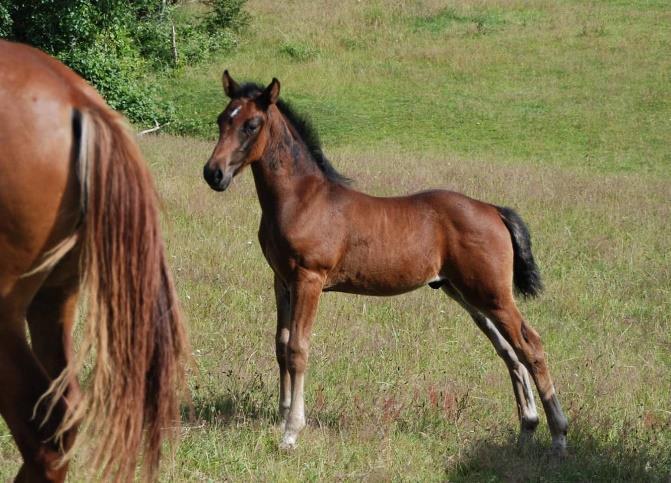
[297, 353]
[281, 344]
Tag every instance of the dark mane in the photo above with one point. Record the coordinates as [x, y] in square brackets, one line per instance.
[305, 130]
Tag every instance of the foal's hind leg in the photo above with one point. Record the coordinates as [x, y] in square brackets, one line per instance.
[526, 406]
[527, 344]
[283, 301]
[519, 376]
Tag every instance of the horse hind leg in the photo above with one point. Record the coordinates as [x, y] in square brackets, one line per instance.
[23, 381]
[51, 316]
[524, 398]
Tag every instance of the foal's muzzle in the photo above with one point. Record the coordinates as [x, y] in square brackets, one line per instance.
[216, 178]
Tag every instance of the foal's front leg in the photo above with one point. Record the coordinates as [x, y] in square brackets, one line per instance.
[283, 301]
[305, 292]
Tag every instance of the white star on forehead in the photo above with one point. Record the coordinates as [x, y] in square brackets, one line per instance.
[235, 112]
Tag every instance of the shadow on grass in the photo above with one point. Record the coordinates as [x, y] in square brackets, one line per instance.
[592, 457]
[240, 402]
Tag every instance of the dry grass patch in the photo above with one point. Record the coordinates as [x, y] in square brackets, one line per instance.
[406, 387]
[411, 375]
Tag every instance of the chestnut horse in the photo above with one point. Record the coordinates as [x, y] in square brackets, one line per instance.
[78, 211]
[318, 234]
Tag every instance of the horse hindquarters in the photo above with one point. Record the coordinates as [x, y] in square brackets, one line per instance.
[39, 209]
[495, 251]
[134, 321]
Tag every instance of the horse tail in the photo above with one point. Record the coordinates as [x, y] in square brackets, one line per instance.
[134, 333]
[526, 275]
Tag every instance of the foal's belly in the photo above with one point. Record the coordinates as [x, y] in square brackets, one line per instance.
[374, 287]
[385, 272]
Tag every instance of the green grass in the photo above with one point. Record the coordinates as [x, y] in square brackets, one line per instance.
[545, 83]
[558, 109]
[407, 388]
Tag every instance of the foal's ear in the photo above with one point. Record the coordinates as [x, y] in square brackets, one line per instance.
[230, 86]
[272, 92]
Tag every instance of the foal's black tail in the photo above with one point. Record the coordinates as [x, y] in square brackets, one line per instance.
[526, 276]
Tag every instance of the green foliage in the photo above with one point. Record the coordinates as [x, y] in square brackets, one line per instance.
[116, 44]
[5, 18]
[298, 51]
[112, 65]
[53, 26]
[226, 14]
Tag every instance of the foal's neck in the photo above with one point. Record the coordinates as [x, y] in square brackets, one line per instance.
[286, 170]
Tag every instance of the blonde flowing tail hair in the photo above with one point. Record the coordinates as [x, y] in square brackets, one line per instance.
[134, 333]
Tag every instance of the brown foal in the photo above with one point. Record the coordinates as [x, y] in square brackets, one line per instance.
[318, 234]
[78, 210]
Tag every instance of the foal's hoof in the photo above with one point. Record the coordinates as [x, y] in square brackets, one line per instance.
[288, 443]
[284, 446]
[526, 447]
[525, 439]
[559, 451]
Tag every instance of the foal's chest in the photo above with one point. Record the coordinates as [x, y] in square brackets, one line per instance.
[276, 249]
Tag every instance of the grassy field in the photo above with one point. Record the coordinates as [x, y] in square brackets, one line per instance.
[558, 109]
[407, 388]
[567, 83]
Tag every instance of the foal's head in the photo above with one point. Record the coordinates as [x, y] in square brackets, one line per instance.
[243, 130]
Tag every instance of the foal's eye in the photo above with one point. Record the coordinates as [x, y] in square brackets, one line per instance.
[252, 125]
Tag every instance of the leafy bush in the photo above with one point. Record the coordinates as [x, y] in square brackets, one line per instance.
[226, 14]
[5, 18]
[114, 44]
[112, 64]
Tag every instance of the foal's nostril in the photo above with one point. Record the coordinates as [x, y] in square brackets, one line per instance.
[218, 176]
[215, 177]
